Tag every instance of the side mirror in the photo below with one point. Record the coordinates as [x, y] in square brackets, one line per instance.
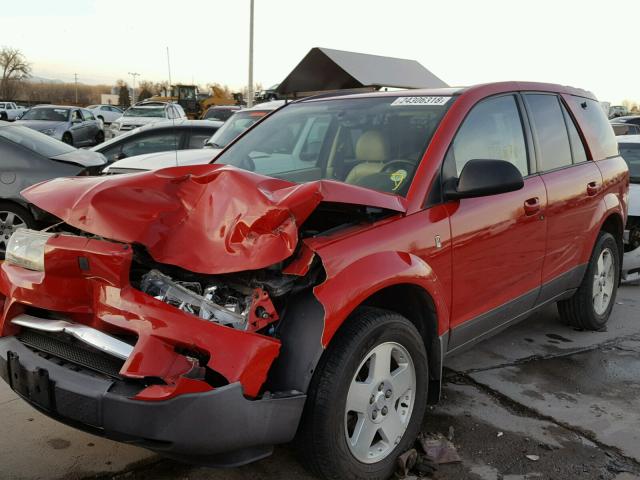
[480, 178]
[120, 156]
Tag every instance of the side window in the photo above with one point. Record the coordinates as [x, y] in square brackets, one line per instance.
[76, 115]
[492, 131]
[577, 147]
[313, 143]
[88, 115]
[550, 131]
[198, 137]
[596, 126]
[151, 143]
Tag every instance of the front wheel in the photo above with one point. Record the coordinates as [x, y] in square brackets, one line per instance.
[67, 138]
[99, 137]
[590, 307]
[366, 402]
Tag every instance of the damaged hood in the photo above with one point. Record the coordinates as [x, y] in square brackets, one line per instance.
[204, 218]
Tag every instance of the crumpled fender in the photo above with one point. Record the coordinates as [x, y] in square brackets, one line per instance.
[206, 218]
[362, 280]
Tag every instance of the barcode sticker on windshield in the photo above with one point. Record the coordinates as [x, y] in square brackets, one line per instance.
[420, 101]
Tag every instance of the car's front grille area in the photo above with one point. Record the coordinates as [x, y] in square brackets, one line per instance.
[71, 351]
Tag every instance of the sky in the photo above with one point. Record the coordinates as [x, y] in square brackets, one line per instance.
[578, 43]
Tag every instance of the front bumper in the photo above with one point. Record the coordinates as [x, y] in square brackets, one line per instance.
[219, 427]
[159, 397]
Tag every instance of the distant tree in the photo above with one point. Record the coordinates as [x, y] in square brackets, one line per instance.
[146, 90]
[123, 94]
[161, 89]
[15, 68]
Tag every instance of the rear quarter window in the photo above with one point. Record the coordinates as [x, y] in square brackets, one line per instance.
[594, 123]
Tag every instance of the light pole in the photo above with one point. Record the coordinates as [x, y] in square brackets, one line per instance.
[250, 91]
[134, 75]
[75, 75]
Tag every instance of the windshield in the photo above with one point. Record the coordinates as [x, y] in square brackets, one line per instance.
[47, 113]
[233, 127]
[145, 112]
[374, 142]
[35, 141]
[631, 154]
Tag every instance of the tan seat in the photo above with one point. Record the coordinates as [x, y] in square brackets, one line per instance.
[371, 152]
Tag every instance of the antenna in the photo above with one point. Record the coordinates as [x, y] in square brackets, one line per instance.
[173, 118]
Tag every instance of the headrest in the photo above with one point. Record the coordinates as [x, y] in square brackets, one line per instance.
[371, 147]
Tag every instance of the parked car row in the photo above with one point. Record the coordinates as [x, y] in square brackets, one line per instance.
[312, 280]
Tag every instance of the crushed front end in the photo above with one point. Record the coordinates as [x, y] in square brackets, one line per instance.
[92, 341]
[152, 316]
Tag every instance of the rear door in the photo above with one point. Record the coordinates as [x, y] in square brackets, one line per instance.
[498, 240]
[574, 186]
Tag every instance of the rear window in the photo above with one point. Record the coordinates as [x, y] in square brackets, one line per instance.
[594, 122]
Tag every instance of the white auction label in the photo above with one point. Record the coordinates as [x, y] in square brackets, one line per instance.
[420, 101]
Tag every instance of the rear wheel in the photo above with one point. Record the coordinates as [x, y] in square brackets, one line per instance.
[366, 402]
[67, 138]
[590, 307]
[12, 217]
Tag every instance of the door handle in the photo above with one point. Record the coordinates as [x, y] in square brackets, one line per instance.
[532, 206]
[592, 188]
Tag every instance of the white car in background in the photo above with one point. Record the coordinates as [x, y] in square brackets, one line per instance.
[9, 111]
[154, 161]
[238, 123]
[144, 113]
[106, 113]
[630, 151]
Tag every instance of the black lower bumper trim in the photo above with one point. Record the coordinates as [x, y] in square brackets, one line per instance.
[220, 427]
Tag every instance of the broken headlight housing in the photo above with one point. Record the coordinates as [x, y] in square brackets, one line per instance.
[227, 309]
[26, 249]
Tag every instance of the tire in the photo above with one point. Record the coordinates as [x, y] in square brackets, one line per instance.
[590, 307]
[12, 217]
[3, 116]
[67, 138]
[327, 422]
[99, 137]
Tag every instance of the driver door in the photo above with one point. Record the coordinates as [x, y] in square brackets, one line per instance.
[498, 240]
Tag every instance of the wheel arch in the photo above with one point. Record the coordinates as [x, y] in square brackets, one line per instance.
[416, 304]
[402, 283]
[614, 225]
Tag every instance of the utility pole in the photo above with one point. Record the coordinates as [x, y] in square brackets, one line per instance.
[133, 96]
[250, 90]
[75, 75]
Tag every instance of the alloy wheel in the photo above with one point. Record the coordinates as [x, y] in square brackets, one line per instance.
[379, 402]
[603, 281]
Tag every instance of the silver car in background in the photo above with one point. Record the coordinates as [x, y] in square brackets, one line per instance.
[630, 151]
[73, 125]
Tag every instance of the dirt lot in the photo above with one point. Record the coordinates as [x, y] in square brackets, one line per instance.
[539, 401]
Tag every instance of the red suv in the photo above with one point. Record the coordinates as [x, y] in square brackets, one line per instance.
[312, 280]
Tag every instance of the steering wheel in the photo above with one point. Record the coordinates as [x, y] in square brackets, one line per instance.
[403, 168]
[396, 164]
